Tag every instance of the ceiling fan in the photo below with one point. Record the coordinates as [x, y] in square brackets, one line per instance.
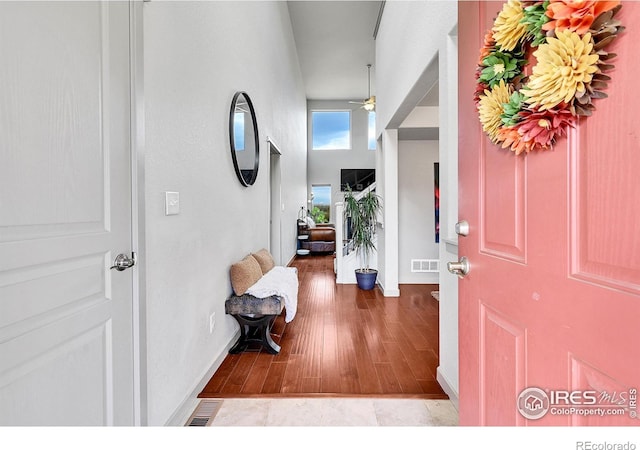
[370, 103]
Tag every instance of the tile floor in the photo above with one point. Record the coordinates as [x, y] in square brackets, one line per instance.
[335, 412]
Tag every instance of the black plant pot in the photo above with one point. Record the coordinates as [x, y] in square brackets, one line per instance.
[366, 279]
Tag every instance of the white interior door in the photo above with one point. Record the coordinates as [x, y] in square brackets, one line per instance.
[65, 213]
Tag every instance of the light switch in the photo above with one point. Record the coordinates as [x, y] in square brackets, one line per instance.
[172, 203]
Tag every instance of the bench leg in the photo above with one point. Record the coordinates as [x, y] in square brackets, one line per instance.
[255, 329]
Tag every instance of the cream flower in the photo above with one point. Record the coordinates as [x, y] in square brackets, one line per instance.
[491, 106]
[508, 29]
[565, 66]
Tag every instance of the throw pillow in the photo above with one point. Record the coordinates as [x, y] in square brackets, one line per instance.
[265, 260]
[245, 274]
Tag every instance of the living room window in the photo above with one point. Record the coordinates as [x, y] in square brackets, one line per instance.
[331, 130]
[321, 203]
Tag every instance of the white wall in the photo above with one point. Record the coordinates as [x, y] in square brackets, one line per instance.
[323, 166]
[416, 219]
[411, 34]
[388, 240]
[197, 55]
[413, 50]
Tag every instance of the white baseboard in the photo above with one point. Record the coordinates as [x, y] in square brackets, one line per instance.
[389, 292]
[447, 388]
[186, 408]
[293, 258]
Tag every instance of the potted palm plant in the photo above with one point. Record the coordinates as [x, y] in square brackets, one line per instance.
[363, 213]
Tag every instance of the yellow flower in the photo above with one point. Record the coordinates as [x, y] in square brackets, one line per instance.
[508, 29]
[491, 106]
[565, 66]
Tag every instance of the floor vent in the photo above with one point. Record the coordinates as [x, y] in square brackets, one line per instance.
[425, 265]
[204, 413]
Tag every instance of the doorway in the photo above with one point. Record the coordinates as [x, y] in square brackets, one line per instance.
[275, 202]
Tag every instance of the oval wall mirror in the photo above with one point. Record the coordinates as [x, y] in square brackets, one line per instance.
[243, 134]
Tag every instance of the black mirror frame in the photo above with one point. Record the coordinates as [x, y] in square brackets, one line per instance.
[255, 137]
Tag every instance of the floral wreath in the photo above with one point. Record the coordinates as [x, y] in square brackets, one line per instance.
[525, 113]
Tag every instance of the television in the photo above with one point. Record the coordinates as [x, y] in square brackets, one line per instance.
[356, 179]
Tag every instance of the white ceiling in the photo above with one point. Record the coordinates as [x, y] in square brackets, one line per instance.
[335, 42]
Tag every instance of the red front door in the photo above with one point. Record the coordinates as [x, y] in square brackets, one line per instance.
[552, 300]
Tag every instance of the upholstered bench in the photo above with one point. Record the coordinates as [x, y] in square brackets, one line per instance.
[255, 317]
[261, 291]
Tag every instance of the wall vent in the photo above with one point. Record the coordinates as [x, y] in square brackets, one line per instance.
[204, 413]
[425, 265]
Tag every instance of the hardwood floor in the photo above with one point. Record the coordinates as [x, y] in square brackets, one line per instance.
[343, 342]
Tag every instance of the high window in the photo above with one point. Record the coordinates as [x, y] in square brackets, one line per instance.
[331, 130]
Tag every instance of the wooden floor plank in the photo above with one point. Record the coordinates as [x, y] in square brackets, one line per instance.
[216, 383]
[240, 372]
[367, 375]
[292, 380]
[330, 378]
[258, 374]
[402, 370]
[273, 380]
[343, 342]
[388, 380]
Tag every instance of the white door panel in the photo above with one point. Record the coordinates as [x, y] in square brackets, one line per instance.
[65, 213]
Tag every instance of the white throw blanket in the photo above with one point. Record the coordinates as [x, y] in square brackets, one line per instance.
[280, 281]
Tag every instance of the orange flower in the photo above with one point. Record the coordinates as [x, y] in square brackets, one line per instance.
[575, 15]
[488, 47]
[542, 128]
[513, 140]
[537, 130]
